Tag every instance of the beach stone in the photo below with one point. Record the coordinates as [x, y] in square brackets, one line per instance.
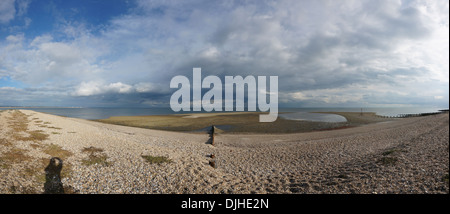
[333, 161]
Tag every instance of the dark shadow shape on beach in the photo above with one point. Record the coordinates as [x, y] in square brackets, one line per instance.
[210, 141]
[53, 184]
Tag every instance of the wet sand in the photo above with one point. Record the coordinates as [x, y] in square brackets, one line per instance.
[240, 122]
[409, 155]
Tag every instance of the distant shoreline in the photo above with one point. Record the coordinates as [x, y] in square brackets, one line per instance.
[98, 113]
[9, 107]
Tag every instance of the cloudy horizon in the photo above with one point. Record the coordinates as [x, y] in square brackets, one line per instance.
[124, 53]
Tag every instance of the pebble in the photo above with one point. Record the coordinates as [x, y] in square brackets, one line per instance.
[338, 161]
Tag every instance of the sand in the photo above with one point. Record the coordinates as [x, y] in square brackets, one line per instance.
[409, 155]
[239, 122]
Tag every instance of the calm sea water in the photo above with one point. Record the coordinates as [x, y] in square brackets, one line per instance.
[317, 117]
[297, 113]
[102, 113]
[306, 113]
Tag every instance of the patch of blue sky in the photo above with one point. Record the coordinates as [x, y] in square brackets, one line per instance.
[47, 17]
[6, 81]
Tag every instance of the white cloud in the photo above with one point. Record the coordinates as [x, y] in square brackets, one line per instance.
[89, 89]
[97, 87]
[9, 89]
[15, 38]
[44, 61]
[351, 94]
[119, 87]
[7, 11]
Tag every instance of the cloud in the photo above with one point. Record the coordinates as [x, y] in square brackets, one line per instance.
[22, 7]
[99, 88]
[45, 61]
[324, 52]
[382, 93]
[7, 11]
[96, 88]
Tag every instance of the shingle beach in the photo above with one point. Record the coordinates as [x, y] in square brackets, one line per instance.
[408, 155]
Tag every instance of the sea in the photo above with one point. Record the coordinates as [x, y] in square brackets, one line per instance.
[287, 113]
[309, 115]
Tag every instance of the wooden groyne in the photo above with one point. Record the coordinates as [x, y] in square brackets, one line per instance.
[415, 115]
[211, 134]
[212, 161]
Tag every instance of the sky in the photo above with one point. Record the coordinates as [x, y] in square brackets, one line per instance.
[123, 53]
